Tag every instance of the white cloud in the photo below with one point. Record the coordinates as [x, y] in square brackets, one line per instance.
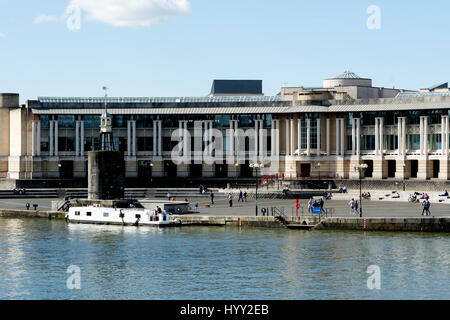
[132, 13]
[2, 35]
[45, 18]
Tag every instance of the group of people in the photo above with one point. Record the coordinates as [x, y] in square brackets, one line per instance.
[342, 189]
[202, 189]
[366, 195]
[19, 191]
[354, 207]
[315, 204]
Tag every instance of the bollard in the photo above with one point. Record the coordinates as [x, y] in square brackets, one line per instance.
[28, 206]
[35, 206]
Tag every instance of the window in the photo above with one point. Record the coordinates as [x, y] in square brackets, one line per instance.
[89, 214]
[66, 143]
[77, 213]
[105, 214]
[138, 216]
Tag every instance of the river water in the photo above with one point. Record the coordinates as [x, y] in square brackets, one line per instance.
[216, 263]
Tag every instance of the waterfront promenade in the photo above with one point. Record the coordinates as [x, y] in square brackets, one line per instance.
[371, 208]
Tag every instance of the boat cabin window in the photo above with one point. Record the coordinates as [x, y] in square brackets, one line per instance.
[89, 214]
[77, 213]
[138, 216]
[105, 214]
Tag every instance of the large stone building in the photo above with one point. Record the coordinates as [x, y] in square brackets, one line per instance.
[310, 133]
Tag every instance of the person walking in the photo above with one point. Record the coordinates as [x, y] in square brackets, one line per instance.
[321, 204]
[352, 206]
[240, 196]
[245, 196]
[426, 208]
[168, 196]
[230, 200]
[356, 207]
[212, 197]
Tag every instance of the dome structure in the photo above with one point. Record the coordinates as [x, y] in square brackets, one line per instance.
[347, 79]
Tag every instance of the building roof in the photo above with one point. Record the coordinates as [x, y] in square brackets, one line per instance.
[236, 87]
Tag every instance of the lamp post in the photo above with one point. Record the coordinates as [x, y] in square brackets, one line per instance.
[256, 166]
[360, 167]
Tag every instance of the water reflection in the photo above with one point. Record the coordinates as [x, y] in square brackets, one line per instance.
[216, 263]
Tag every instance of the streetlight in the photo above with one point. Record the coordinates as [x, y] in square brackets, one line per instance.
[360, 167]
[256, 166]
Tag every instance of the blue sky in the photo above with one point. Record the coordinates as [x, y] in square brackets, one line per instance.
[285, 41]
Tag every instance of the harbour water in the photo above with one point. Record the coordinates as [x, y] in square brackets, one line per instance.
[217, 263]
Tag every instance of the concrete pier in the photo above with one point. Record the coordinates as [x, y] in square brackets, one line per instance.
[392, 224]
[106, 175]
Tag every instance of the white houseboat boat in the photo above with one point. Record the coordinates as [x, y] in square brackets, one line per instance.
[117, 216]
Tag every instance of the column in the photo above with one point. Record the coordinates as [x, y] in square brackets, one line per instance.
[262, 153]
[181, 137]
[377, 137]
[82, 138]
[299, 136]
[425, 128]
[33, 138]
[272, 139]
[328, 136]
[308, 137]
[421, 136]
[358, 137]
[38, 138]
[134, 139]
[287, 137]
[51, 138]
[129, 138]
[400, 136]
[77, 138]
[337, 136]
[186, 142]
[404, 136]
[342, 137]
[292, 137]
[232, 152]
[277, 138]
[155, 149]
[442, 135]
[210, 136]
[159, 138]
[381, 122]
[446, 135]
[56, 138]
[353, 136]
[319, 136]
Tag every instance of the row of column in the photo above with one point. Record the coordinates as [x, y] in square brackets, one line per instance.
[290, 136]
